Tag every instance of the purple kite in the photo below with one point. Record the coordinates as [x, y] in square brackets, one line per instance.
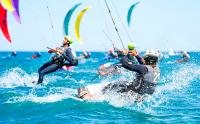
[15, 4]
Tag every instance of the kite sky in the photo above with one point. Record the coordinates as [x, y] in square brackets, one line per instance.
[158, 24]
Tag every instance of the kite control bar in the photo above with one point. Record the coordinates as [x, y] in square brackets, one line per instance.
[55, 50]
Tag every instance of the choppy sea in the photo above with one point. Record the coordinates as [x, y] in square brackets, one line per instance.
[176, 99]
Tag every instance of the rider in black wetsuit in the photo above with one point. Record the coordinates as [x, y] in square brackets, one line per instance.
[12, 54]
[145, 81]
[86, 55]
[185, 57]
[133, 58]
[63, 57]
[113, 69]
[111, 54]
[147, 74]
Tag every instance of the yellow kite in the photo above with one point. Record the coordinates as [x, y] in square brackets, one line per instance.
[7, 4]
[77, 24]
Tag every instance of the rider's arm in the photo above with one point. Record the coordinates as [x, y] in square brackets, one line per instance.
[67, 54]
[54, 50]
[141, 69]
[139, 59]
[134, 53]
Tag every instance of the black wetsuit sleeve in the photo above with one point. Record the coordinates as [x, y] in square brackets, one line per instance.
[68, 55]
[141, 69]
[139, 59]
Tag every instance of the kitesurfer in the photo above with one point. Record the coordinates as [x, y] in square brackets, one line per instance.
[131, 57]
[120, 53]
[36, 55]
[12, 54]
[112, 54]
[84, 55]
[147, 75]
[63, 57]
[185, 57]
[108, 68]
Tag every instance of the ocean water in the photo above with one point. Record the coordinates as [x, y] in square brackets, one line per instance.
[176, 99]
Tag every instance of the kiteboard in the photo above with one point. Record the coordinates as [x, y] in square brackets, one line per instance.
[108, 68]
[67, 68]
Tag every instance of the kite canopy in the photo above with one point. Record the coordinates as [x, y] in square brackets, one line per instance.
[16, 12]
[77, 24]
[130, 13]
[3, 23]
[68, 17]
[7, 4]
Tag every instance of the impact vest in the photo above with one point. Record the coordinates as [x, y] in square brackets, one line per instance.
[150, 80]
[145, 84]
[152, 75]
[61, 58]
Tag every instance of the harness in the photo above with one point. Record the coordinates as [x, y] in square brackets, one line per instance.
[59, 60]
[145, 83]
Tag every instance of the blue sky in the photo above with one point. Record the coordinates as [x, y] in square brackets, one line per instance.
[158, 24]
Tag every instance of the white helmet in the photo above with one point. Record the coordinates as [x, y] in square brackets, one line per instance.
[151, 52]
[151, 56]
